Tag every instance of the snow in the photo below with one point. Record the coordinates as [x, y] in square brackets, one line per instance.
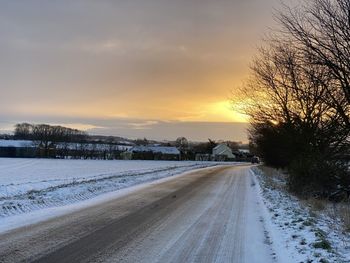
[35, 216]
[93, 146]
[16, 143]
[219, 222]
[39, 173]
[28, 185]
[295, 230]
[272, 234]
[71, 146]
[32, 190]
[156, 149]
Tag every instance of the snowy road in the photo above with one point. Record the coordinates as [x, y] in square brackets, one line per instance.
[211, 215]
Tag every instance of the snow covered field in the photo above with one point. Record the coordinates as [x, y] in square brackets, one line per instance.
[20, 175]
[303, 235]
[32, 184]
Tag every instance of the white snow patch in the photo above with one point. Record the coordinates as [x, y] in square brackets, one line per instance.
[295, 230]
[272, 234]
[18, 176]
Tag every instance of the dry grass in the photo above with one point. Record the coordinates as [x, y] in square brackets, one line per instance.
[316, 204]
[344, 213]
[338, 211]
[274, 179]
[271, 172]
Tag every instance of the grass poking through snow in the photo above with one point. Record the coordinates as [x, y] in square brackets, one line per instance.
[314, 230]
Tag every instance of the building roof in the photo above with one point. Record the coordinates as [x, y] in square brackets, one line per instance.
[70, 146]
[16, 143]
[156, 149]
[220, 145]
[93, 146]
[223, 149]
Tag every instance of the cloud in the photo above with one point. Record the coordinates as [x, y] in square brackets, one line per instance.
[139, 60]
[142, 125]
[139, 128]
[195, 131]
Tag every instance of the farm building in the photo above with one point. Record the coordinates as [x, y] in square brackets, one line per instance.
[152, 153]
[223, 153]
[17, 148]
[31, 149]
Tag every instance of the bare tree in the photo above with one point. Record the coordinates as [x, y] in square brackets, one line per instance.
[47, 137]
[321, 29]
[294, 121]
[181, 143]
[23, 131]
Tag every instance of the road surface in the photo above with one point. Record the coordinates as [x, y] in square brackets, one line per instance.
[210, 215]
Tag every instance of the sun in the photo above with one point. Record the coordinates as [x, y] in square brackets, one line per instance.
[225, 111]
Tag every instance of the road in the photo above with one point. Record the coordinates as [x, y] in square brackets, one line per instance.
[210, 215]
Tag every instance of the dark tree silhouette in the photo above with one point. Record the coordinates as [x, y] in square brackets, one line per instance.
[298, 97]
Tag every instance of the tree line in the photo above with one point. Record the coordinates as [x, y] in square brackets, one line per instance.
[298, 97]
[54, 141]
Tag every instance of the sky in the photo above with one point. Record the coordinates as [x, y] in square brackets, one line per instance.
[158, 68]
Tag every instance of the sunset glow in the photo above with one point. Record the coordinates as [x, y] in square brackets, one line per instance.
[85, 63]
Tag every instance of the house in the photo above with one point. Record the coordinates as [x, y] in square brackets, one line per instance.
[223, 153]
[152, 153]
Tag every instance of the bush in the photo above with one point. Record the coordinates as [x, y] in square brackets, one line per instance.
[311, 175]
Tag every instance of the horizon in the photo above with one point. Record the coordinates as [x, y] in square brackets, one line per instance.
[171, 136]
